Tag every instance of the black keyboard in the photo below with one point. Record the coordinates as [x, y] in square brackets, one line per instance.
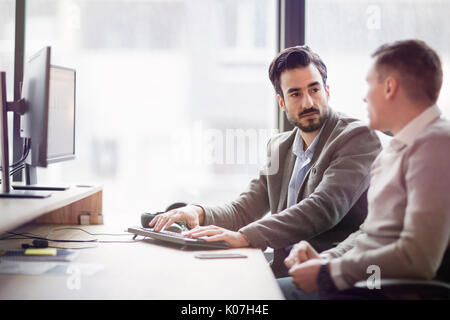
[177, 238]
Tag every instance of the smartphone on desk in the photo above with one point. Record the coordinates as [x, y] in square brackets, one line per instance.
[220, 255]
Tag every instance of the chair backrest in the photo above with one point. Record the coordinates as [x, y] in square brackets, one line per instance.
[443, 273]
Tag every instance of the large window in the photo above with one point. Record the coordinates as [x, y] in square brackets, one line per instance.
[7, 14]
[7, 11]
[173, 97]
[345, 33]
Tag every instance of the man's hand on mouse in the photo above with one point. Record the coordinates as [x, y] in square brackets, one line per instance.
[213, 233]
[192, 215]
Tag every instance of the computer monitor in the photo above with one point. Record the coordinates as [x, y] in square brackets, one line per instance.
[49, 122]
[48, 116]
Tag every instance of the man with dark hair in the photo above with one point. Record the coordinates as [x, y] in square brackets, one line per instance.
[407, 230]
[316, 176]
[291, 59]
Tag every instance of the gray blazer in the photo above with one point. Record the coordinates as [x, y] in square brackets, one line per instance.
[332, 201]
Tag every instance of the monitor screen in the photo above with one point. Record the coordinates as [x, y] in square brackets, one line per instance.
[61, 115]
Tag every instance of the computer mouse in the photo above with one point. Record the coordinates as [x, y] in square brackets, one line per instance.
[176, 205]
[146, 217]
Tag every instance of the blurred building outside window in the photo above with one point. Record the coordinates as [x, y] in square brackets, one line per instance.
[173, 97]
[345, 34]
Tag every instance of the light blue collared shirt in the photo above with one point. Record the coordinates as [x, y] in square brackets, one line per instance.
[302, 164]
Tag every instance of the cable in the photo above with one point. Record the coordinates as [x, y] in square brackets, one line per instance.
[52, 240]
[25, 153]
[10, 237]
[19, 165]
[73, 248]
[24, 234]
[46, 238]
[85, 231]
[96, 234]
[17, 169]
[13, 171]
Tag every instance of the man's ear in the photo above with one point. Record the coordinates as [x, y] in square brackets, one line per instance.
[327, 90]
[390, 87]
[281, 102]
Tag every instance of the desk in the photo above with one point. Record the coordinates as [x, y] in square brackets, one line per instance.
[60, 207]
[133, 270]
[145, 270]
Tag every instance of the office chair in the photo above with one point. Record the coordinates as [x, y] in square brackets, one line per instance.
[409, 289]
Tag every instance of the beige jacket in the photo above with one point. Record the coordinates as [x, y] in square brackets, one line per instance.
[407, 229]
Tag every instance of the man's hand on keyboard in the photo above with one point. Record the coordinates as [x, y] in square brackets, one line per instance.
[192, 215]
[214, 233]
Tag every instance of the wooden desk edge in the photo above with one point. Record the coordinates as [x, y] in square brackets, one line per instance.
[64, 208]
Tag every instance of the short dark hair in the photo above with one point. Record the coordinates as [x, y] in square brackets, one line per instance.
[417, 65]
[291, 58]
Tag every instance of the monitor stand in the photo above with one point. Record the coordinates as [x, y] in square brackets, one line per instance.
[7, 191]
[25, 194]
[40, 188]
[31, 182]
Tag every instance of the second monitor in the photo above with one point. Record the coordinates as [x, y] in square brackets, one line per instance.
[49, 122]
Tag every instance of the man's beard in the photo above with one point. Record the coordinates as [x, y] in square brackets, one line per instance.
[313, 124]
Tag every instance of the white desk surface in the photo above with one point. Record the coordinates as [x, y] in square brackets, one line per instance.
[15, 212]
[144, 270]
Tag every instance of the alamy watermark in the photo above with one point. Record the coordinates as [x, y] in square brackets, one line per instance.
[197, 145]
[74, 280]
[374, 281]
